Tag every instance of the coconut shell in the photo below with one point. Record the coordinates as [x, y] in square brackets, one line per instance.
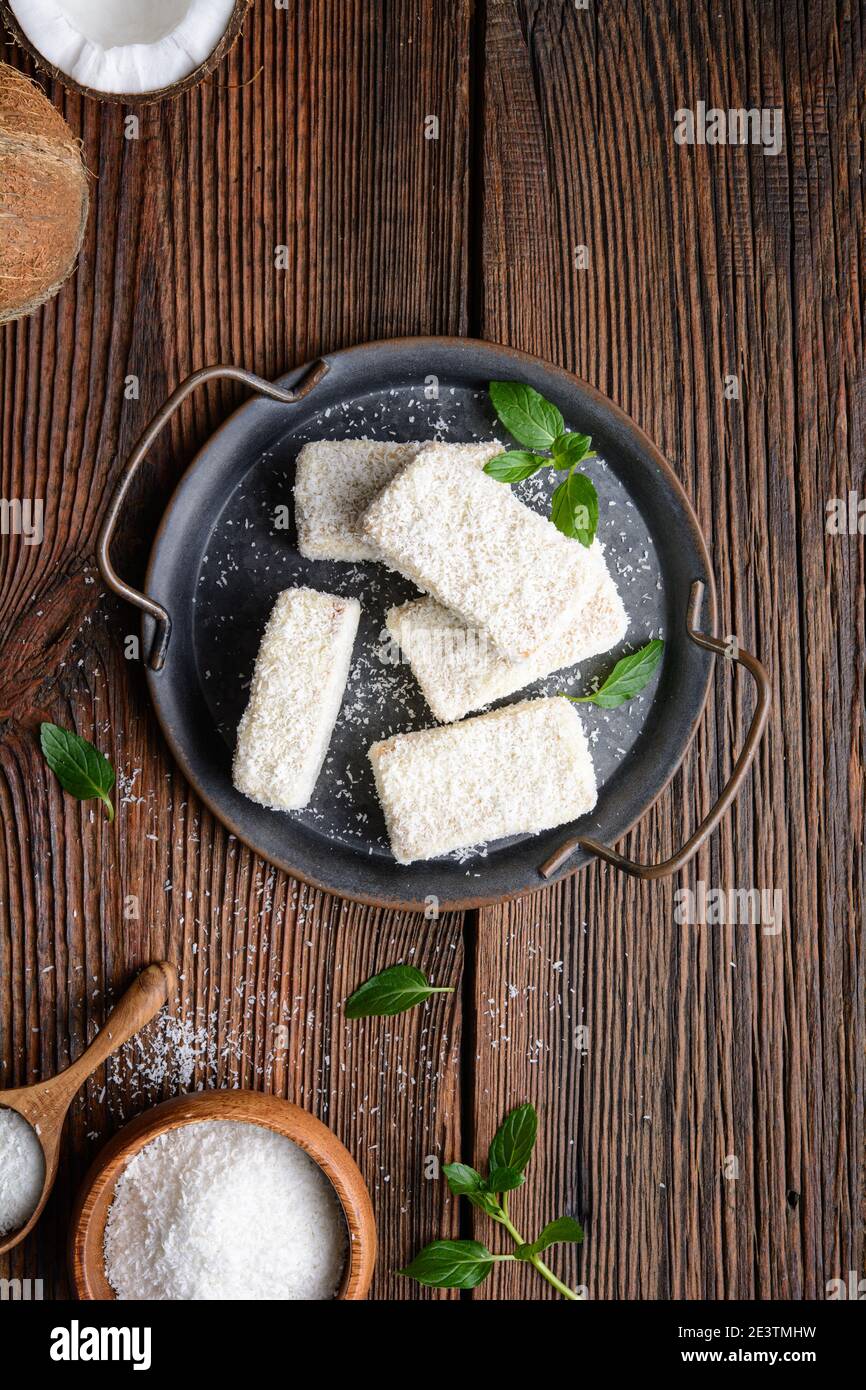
[43, 197]
[228, 40]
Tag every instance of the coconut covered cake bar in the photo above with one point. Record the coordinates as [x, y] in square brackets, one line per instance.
[297, 688]
[518, 770]
[459, 670]
[336, 480]
[466, 540]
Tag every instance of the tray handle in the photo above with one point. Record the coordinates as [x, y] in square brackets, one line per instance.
[159, 645]
[741, 767]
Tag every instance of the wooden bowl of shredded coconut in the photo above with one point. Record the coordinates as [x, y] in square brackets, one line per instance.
[223, 1195]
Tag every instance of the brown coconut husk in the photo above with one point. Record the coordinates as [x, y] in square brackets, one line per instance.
[44, 197]
[228, 40]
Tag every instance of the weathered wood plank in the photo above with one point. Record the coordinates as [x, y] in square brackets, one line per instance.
[310, 137]
[702, 1042]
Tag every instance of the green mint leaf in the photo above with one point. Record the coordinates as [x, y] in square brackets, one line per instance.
[532, 420]
[574, 508]
[484, 1201]
[80, 768]
[570, 449]
[505, 1180]
[462, 1179]
[450, 1264]
[513, 467]
[628, 678]
[523, 1252]
[466, 1182]
[563, 1231]
[514, 1140]
[393, 991]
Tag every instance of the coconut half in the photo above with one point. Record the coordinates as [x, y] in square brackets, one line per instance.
[126, 50]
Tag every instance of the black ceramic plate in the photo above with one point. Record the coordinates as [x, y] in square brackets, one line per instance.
[224, 551]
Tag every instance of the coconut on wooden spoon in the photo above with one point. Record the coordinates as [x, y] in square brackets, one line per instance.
[31, 1117]
[118, 50]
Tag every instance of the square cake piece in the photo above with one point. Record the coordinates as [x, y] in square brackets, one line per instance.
[517, 770]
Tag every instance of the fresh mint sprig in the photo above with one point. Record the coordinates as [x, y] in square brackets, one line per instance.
[392, 991]
[538, 424]
[80, 768]
[464, 1264]
[627, 679]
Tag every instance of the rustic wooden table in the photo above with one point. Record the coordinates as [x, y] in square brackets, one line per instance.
[716, 294]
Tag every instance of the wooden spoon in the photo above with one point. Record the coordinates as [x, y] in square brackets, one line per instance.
[44, 1105]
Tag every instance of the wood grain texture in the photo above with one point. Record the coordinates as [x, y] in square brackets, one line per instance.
[310, 137]
[709, 1041]
[653, 1051]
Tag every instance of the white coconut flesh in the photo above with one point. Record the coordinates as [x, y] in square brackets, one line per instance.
[124, 46]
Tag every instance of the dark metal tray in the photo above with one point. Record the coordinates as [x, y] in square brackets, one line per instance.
[226, 547]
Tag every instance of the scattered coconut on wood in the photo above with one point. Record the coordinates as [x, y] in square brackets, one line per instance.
[112, 50]
[43, 197]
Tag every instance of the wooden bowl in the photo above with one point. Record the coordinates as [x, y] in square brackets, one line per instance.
[86, 1253]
